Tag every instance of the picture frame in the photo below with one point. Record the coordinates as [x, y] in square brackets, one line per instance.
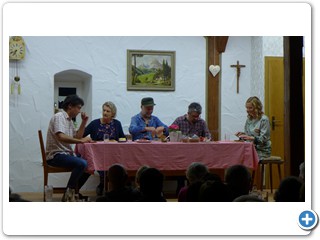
[151, 70]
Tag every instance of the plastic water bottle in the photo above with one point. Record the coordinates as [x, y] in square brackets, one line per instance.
[48, 191]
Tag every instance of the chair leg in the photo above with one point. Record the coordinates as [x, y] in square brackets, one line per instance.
[270, 172]
[252, 179]
[45, 182]
[262, 176]
[279, 171]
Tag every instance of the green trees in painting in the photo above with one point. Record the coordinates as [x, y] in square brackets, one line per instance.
[151, 73]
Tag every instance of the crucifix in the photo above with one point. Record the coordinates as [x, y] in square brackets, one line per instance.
[238, 66]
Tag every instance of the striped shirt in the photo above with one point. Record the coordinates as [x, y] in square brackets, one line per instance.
[60, 122]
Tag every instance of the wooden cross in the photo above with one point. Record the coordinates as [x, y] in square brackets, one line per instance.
[238, 66]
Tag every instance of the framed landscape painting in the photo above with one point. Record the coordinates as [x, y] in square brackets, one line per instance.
[151, 70]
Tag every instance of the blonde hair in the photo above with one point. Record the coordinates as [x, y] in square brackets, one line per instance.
[257, 106]
[112, 106]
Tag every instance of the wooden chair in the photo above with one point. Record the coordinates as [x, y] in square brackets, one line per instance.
[269, 161]
[49, 169]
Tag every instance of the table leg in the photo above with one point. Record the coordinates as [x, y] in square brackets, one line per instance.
[262, 177]
[270, 172]
[105, 182]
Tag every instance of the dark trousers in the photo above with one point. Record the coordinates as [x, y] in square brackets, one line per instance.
[78, 175]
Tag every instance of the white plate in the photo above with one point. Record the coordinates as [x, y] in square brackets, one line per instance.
[143, 141]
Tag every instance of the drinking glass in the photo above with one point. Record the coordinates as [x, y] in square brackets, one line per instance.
[106, 137]
[227, 137]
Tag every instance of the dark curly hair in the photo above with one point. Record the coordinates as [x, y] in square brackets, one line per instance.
[72, 100]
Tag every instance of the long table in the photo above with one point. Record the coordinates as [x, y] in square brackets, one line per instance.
[170, 157]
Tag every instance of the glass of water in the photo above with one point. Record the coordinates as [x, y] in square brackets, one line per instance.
[106, 137]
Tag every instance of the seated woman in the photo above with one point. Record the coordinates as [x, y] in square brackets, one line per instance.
[105, 125]
[257, 128]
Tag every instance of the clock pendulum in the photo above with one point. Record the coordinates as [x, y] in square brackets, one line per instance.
[16, 80]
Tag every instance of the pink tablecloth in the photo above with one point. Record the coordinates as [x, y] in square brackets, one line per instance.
[168, 156]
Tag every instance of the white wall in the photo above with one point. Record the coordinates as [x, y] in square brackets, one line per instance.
[233, 112]
[250, 51]
[105, 59]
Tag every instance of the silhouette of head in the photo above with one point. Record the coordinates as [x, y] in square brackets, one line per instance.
[151, 182]
[289, 190]
[238, 178]
[117, 176]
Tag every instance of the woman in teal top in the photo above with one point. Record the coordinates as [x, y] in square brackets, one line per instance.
[257, 128]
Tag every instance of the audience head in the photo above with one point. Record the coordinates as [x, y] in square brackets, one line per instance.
[138, 175]
[248, 198]
[212, 176]
[13, 197]
[117, 176]
[151, 182]
[196, 172]
[254, 107]
[289, 190]
[238, 178]
[214, 191]
[109, 108]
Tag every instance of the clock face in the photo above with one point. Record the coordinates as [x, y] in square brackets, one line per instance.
[16, 50]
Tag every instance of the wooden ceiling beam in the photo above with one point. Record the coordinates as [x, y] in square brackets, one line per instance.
[222, 43]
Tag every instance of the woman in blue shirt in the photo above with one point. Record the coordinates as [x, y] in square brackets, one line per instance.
[107, 124]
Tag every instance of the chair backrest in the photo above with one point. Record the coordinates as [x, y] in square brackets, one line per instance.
[43, 151]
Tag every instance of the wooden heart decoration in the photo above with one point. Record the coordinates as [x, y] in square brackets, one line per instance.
[214, 69]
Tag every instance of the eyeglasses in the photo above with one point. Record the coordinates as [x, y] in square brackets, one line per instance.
[194, 116]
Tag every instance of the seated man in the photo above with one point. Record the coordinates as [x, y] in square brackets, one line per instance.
[192, 124]
[146, 126]
[61, 134]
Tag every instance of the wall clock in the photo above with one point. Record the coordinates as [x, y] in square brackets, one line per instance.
[17, 51]
[17, 48]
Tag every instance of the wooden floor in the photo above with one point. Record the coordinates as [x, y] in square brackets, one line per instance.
[38, 197]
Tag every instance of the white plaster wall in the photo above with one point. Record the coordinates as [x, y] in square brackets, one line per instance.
[233, 113]
[105, 59]
[257, 66]
[273, 46]
[250, 51]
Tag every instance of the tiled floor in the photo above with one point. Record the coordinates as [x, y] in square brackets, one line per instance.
[38, 197]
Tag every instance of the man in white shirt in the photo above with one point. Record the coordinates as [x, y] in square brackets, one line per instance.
[61, 134]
